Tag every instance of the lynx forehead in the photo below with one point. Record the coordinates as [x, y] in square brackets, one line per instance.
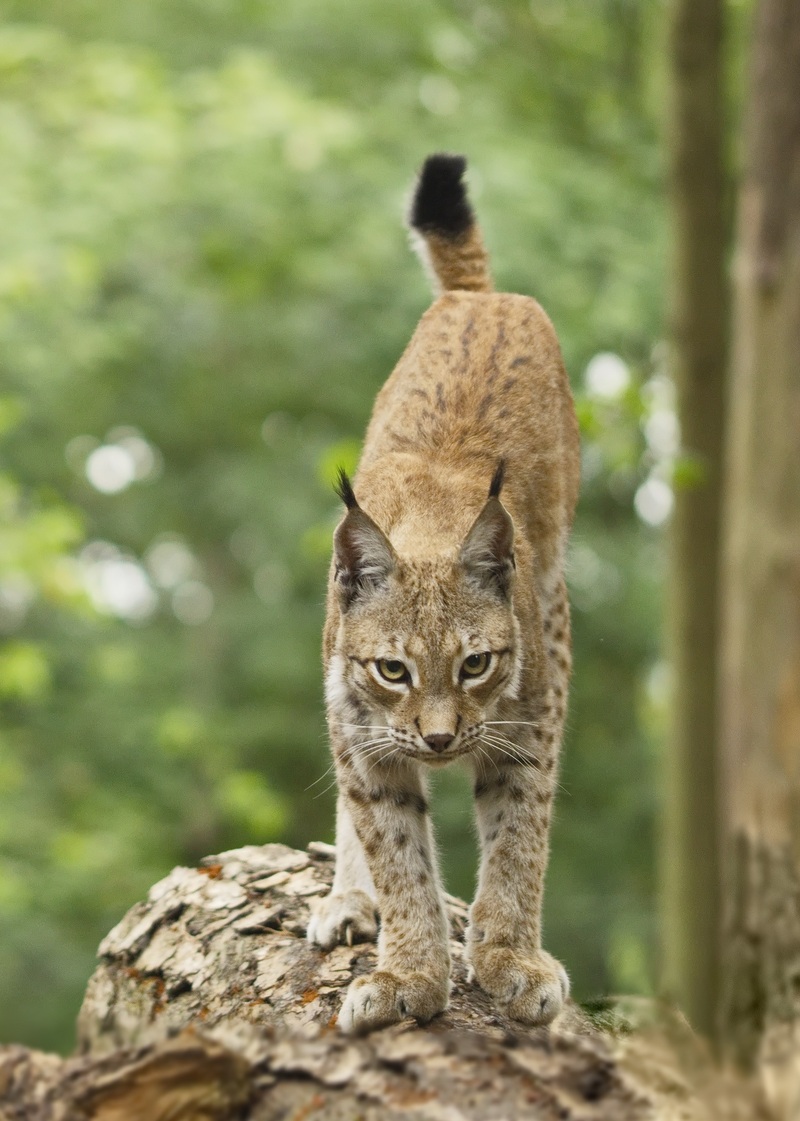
[447, 633]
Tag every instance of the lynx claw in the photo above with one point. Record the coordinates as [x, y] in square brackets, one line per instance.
[384, 998]
[531, 988]
[344, 918]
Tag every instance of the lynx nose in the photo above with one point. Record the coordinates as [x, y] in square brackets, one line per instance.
[439, 741]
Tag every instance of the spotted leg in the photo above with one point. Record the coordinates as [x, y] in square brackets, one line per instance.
[513, 798]
[389, 812]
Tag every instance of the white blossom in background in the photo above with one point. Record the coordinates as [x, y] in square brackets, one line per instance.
[660, 423]
[606, 377]
[147, 462]
[116, 583]
[658, 392]
[663, 433]
[124, 457]
[110, 469]
[654, 500]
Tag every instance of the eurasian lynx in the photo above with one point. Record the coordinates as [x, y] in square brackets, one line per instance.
[447, 634]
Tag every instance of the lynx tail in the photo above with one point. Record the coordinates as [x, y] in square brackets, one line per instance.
[449, 240]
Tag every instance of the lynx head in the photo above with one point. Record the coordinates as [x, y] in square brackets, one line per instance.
[425, 648]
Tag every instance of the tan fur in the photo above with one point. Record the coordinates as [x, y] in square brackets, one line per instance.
[482, 380]
[456, 263]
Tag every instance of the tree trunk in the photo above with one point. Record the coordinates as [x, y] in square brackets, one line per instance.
[760, 697]
[699, 325]
[209, 1004]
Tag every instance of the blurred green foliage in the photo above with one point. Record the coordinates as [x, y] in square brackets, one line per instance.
[204, 280]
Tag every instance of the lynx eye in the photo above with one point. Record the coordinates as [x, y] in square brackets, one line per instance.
[393, 671]
[475, 665]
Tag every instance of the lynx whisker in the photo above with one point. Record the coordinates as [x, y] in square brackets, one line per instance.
[495, 723]
[375, 749]
[325, 790]
[526, 757]
[501, 741]
[511, 751]
[362, 727]
[484, 754]
[370, 746]
[372, 750]
[325, 774]
[500, 737]
[504, 753]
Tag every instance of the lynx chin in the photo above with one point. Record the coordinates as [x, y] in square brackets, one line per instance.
[447, 634]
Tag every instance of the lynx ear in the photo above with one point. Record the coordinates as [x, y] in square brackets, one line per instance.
[363, 556]
[488, 550]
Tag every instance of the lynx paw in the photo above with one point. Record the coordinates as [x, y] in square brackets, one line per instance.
[345, 918]
[384, 998]
[531, 988]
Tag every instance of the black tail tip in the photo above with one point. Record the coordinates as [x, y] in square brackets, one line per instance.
[344, 488]
[440, 203]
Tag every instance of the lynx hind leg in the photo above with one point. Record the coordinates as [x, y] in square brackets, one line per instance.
[349, 913]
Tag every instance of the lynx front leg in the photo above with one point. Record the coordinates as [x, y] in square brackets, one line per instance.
[348, 914]
[412, 978]
[504, 939]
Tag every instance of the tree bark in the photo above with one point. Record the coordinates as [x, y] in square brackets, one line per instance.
[760, 696]
[699, 325]
[209, 1004]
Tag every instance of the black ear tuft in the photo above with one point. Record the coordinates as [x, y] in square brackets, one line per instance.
[498, 478]
[344, 489]
[440, 203]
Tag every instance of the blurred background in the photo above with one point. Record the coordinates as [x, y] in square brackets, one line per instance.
[204, 279]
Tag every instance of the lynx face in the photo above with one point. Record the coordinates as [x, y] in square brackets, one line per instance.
[421, 662]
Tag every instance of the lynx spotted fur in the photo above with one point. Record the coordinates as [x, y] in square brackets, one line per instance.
[448, 636]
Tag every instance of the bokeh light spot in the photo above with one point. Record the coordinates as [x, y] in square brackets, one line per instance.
[607, 376]
[653, 501]
[110, 468]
